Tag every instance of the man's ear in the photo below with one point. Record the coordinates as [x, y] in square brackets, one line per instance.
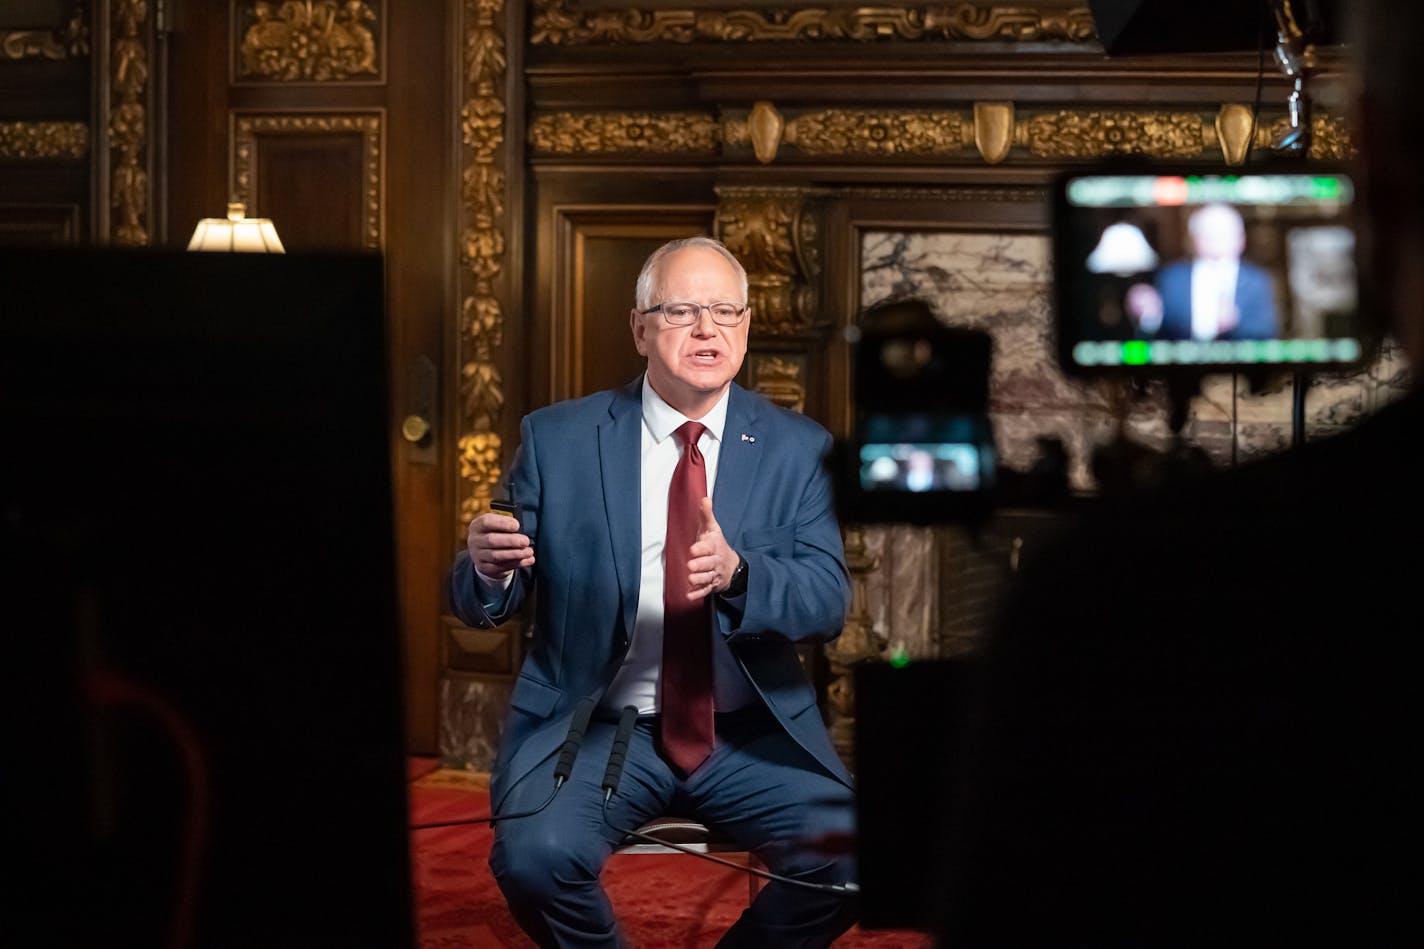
[640, 331]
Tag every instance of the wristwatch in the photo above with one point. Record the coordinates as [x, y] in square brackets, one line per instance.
[738, 584]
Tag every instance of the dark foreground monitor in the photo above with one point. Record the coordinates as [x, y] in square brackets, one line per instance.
[200, 593]
[1176, 269]
[909, 721]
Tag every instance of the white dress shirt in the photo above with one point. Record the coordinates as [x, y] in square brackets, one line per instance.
[1213, 296]
[636, 682]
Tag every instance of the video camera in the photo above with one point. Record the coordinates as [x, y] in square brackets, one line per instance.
[922, 449]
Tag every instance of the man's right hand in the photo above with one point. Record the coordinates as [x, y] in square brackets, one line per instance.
[496, 546]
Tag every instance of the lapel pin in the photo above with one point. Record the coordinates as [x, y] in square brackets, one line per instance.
[748, 438]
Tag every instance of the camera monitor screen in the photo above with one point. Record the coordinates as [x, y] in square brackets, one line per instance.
[923, 453]
[1195, 271]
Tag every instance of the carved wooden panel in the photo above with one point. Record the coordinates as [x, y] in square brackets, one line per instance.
[598, 253]
[39, 224]
[22, 35]
[319, 41]
[318, 176]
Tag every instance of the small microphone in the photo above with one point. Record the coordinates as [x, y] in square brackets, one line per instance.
[619, 753]
[572, 741]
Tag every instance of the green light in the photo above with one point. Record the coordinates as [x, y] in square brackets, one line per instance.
[1134, 353]
[899, 657]
[1326, 187]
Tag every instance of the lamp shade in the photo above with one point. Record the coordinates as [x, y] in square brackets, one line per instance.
[236, 232]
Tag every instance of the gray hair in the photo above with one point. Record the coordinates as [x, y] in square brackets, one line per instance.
[644, 289]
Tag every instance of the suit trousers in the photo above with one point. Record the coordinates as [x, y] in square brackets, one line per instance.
[759, 786]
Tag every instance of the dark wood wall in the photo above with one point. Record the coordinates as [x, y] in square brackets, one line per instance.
[515, 161]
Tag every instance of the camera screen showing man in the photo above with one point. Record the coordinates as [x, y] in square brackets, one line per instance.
[919, 467]
[1191, 268]
[1214, 295]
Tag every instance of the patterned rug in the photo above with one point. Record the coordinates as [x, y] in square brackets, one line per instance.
[663, 902]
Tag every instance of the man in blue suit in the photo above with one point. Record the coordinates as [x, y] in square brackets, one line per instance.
[1213, 296]
[738, 741]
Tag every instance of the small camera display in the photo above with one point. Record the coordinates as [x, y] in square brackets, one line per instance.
[921, 453]
[1176, 269]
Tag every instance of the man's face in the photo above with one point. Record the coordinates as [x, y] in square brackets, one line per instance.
[690, 366]
[1218, 233]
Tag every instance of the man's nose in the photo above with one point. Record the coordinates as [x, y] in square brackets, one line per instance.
[705, 325]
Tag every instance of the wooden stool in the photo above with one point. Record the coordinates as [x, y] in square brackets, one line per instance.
[694, 836]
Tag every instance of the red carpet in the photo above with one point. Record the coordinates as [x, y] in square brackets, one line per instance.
[663, 902]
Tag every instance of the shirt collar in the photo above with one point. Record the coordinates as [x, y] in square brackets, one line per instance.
[662, 419]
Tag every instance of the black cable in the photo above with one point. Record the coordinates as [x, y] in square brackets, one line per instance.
[578, 725]
[840, 889]
[1260, 79]
[490, 819]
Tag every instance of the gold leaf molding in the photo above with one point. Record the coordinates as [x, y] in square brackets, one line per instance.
[128, 123]
[994, 129]
[854, 132]
[772, 231]
[70, 42]
[367, 125]
[27, 140]
[308, 41]
[596, 133]
[483, 249]
[780, 381]
[555, 24]
[1068, 134]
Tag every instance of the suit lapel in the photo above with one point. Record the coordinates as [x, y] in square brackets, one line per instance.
[737, 466]
[620, 453]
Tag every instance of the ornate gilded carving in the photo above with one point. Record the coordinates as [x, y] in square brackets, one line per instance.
[308, 41]
[1067, 134]
[780, 381]
[24, 140]
[367, 125]
[858, 641]
[1233, 131]
[554, 24]
[863, 132]
[128, 132]
[593, 133]
[479, 459]
[993, 130]
[764, 228]
[765, 127]
[1329, 136]
[482, 199]
[70, 42]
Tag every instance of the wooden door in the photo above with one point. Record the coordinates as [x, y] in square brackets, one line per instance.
[336, 121]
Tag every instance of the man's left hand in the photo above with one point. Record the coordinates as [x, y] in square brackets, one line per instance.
[713, 561]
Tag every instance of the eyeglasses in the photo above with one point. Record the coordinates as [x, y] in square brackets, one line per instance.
[685, 314]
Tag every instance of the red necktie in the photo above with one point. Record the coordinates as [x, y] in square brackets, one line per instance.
[687, 733]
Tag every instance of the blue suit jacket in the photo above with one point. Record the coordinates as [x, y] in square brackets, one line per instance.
[1255, 300]
[577, 477]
